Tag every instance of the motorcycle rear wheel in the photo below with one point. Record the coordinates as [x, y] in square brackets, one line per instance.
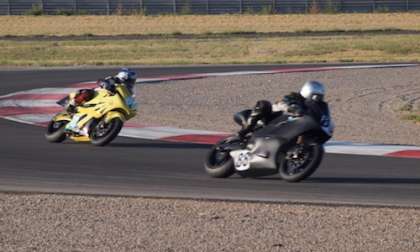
[55, 131]
[291, 172]
[219, 163]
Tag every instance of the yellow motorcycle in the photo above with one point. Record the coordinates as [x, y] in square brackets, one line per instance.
[97, 120]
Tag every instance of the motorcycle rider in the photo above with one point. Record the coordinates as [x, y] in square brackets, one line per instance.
[310, 101]
[125, 77]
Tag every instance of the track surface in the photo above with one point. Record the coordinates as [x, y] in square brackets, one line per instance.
[151, 168]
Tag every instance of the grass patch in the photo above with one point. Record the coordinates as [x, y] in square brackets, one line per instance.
[412, 117]
[36, 10]
[410, 113]
[202, 24]
[211, 51]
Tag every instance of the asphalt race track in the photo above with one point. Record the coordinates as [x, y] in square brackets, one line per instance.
[135, 167]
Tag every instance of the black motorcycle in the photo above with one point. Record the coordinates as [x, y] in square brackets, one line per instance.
[291, 145]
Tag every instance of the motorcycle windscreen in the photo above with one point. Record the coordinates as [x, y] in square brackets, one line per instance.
[63, 101]
[289, 128]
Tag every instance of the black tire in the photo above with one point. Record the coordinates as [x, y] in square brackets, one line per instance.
[114, 125]
[316, 153]
[55, 131]
[219, 168]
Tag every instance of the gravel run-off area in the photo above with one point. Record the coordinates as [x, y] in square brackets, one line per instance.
[366, 104]
[366, 107]
[82, 223]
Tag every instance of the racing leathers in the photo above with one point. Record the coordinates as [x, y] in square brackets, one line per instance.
[292, 104]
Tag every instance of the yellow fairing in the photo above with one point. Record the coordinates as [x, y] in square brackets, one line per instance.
[80, 138]
[106, 104]
[123, 91]
[114, 114]
[62, 117]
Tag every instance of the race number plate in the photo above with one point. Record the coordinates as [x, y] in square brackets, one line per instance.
[241, 159]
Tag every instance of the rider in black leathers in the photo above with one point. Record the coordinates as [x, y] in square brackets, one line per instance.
[309, 101]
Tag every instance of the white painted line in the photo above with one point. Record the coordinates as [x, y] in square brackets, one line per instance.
[43, 91]
[375, 66]
[34, 118]
[365, 149]
[15, 119]
[162, 132]
[28, 103]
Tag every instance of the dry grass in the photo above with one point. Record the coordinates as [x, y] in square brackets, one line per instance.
[212, 51]
[411, 111]
[116, 25]
[412, 117]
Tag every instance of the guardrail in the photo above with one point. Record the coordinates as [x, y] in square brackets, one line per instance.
[152, 7]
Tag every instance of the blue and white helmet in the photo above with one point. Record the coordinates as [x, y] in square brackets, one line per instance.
[313, 90]
[126, 76]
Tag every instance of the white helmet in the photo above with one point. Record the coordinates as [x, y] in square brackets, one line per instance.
[313, 90]
[126, 76]
[122, 76]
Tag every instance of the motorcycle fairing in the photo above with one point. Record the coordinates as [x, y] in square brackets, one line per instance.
[288, 128]
[62, 117]
[114, 114]
[260, 153]
[262, 150]
[80, 138]
[64, 101]
[103, 103]
[241, 159]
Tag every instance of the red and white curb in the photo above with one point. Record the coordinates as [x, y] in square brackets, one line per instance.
[37, 106]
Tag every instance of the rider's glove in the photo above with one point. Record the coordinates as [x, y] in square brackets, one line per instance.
[293, 98]
[295, 110]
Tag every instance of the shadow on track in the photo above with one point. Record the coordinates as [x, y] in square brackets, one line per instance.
[353, 180]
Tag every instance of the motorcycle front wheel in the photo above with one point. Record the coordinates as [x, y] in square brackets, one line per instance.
[103, 133]
[219, 163]
[55, 131]
[300, 162]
